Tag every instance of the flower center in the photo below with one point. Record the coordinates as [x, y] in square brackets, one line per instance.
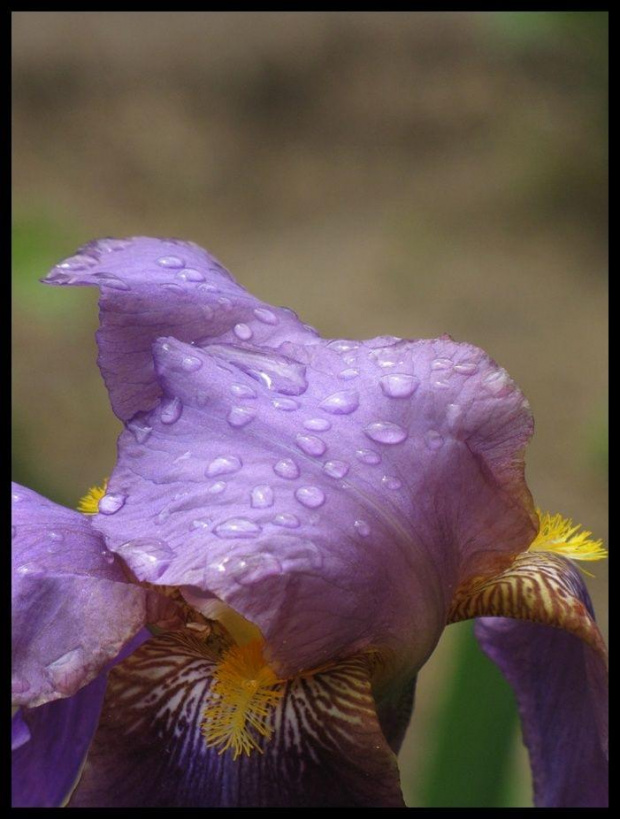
[557, 534]
[89, 504]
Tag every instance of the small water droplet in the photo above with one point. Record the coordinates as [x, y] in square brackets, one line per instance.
[398, 385]
[453, 415]
[311, 445]
[243, 331]
[442, 364]
[466, 367]
[171, 262]
[384, 357]
[390, 482]
[286, 520]
[343, 345]
[110, 280]
[261, 497]
[362, 528]
[336, 469]
[109, 245]
[224, 465]
[434, 439]
[385, 432]
[216, 488]
[148, 557]
[368, 456]
[242, 391]
[266, 316]
[81, 261]
[57, 536]
[310, 496]
[237, 528]
[286, 468]
[190, 274]
[348, 374]
[110, 504]
[107, 556]
[225, 304]
[241, 416]
[190, 363]
[341, 403]
[173, 288]
[496, 381]
[171, 409]
[206, 311]
[285, 404]
[317, 424]
[440, 384]
[202, 523]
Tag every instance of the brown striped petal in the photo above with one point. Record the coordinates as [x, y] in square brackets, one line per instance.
[326, 747]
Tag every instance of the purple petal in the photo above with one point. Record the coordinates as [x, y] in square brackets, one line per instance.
[561, 687]
[45, 768]
[327, 748]
[156, 287]
[72, 607]
[334, 513]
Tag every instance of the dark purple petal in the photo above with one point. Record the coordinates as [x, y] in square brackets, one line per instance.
[45, 768]
[327, 748]
[335, 510]
[157, 287]
[72, 607]
[561, 689]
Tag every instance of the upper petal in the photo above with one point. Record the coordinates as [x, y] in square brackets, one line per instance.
[72, 607]
[154, 287]
[333, 493]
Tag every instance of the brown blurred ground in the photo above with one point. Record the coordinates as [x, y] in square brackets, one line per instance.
[411, 174]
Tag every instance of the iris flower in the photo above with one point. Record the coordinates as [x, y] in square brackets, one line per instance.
[238, 617]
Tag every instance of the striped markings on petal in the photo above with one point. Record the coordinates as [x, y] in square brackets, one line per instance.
[320, 742]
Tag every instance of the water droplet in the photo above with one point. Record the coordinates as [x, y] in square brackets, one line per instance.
[147, 557]
[110, 504]
[348, 374]
[496, 381]
[57, 536]
[440, 384]
[317, 424]
[385, 432]
[336, 469]
[434, 439]
[242, 391]
[286, 468]
[343, 345]
[286, 520]
[224, 465]
[311, 445]
[466, 367]
[225, 304]
[173, 288]
[310, 496]
[216, 488]
[109, 244]
[362, 528]
[390, 482]
[171, 409]
[276, 372]
[442, 364]
[208, 288]
[241, 416]
[190, 363]
[453, 415]
[266, 316]
[202, 523]
[243, 332]
[81, 261]
[140, 431]
[385, 358]
[237, 528]
[262, 497]
[368, 456]
[67, 671]
[341, 403]
[190, 275]
[111, 281]
[398, 385]
[206, 311]
[285, 404]
[171, 262]
[107, 556]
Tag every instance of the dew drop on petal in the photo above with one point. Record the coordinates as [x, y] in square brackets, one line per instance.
[237, 528]
[286, 468]
[171, 409]
[386, 432]
[148, 557]
[466, 367]
[171, 262]
[398, 385]
[442, 364]
[242, 391]
[341, 403]
[110, 504]
[343, 345]
[261, 497]
[241, 416]
[336, 469]
[224, 465]
[266, 316]
[285, 404]
[368, 456]
[190, 275]
[243, 331]
[317, 424]
[110, 280]
[311, 445]
[391, 482]
[190, 363]
[287, 520]
[216, 488]
[310, 496]
[362, 528]
[434, 440]
[348, 374]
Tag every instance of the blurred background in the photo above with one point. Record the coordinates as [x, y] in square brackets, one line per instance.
[407, 173]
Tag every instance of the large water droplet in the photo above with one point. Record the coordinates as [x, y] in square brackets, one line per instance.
[190, 363]
[262, 497]
[442, 364]
[241, 416]
[317, 424]
[237, 528]
[362, 528]
[286, 520]
[171, 262]
[385, 432]
[266, 316]
[285, 404]
[343, 345]
[216, 488]
[391, 483]
[496, 381]
[243, 391]
[276, 372]
[336, 469]
[310, 496]
[67, 671]
[286, 468]
[434, 439]
[368, 456]
[466, 367]
[110, 504]
[171, 409]
[311, 445]
[398, 385]
[224, 465]
[147, 557]
[243, 331]
[341, 403]
[190, 274]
